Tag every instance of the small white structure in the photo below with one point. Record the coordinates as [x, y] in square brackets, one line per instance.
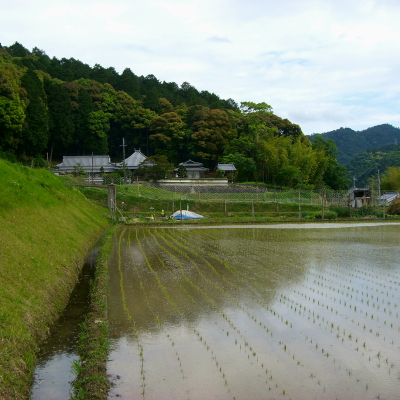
[185, 214]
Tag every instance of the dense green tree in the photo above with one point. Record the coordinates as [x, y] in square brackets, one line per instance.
[104, 75]
[212, 131]
[36, 126]
[333, 174]
[245, 166]
[191, 95]
[151, 100]
[12, 118]
[156, 167]
[98, 126]
[391, 179]
[122, 123]
[82, 108]
[244, 145]
[12, 107]
[182, 172]
[61, 122]
[17, 50]
[142, 118]
[168, 131]
[109, 98]
[128, 82]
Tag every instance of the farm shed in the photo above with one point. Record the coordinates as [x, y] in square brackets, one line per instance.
[359, 197]
[387, 198]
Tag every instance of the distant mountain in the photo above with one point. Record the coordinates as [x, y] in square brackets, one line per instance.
[366, 165]
[350, 143]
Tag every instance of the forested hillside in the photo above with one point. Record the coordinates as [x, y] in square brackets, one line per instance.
[350, 143]
[365, 166]
[51, 107]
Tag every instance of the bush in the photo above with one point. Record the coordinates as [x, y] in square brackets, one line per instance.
[114, 178]
[6, 155]
[394, 208]
[308, 215]
[327, 215]
[363, 212]
[342, 212]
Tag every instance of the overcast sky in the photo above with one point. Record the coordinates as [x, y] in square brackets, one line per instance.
[322, 64]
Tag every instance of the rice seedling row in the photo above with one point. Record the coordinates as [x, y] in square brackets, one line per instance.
[246, 345]
[251, 313]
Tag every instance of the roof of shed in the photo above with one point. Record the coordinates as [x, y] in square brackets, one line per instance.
[226, 167]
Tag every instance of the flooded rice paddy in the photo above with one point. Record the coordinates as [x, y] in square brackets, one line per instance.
[254, 313]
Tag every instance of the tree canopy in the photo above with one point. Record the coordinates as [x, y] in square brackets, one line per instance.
[65, 107]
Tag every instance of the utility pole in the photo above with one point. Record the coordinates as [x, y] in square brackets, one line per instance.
[379, 194]
[354, 182]
[123, 145]
[379, 185]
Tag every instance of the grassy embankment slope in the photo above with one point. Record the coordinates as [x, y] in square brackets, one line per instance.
[46, 229]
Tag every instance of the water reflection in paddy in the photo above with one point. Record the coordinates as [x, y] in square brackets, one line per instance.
[255, 313]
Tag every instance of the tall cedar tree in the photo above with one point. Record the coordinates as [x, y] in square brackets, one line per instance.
[36, 127]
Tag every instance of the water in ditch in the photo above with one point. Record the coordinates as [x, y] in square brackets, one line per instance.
[255, 312]
[53, 374]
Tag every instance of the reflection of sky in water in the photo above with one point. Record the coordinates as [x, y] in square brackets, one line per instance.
[53, 372]
[48, 385]
[253, 312]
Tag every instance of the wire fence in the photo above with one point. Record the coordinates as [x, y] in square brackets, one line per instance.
[356, 198]
[246, 193]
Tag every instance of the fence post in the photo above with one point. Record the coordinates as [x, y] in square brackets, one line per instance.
[252, 210]
[384, 208]
[112, 199]
[276, 200]
[299, 205]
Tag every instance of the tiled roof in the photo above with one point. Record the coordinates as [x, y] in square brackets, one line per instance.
[226, 167]
[133, 161]
[87, 163]
[191, 165]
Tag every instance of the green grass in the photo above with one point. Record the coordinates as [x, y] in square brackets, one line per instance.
[137, 203]
[128, 201]
[46, 229]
